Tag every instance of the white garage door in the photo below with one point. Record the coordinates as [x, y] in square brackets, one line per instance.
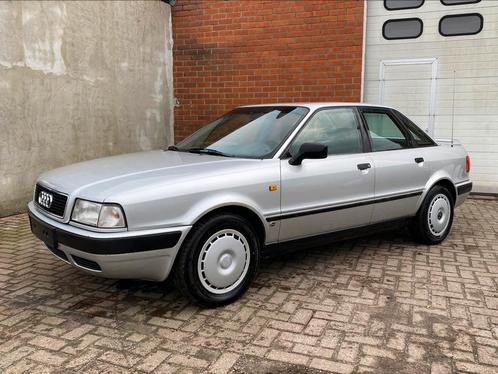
[396, 75]
[410, 86]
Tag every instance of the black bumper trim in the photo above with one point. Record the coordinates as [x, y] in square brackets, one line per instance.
[464, 188]
[53, 236]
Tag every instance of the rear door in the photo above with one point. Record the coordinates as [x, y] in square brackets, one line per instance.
[401, 170]
[325, 195]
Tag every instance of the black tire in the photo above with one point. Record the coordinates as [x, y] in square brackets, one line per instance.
[186, 274]
[422, 228]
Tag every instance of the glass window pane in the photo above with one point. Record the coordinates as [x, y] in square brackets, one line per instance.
[402, 4]
[406, 28]
[335, 128]
[461, 24]
[459, 2]
[254, 132]
[384, 132]
[419, 136]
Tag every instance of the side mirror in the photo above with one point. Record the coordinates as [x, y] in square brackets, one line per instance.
[309, 150]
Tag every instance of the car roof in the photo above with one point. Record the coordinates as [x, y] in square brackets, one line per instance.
[318, 105]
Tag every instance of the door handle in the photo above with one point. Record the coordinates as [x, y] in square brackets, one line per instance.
[419, 160]
[364, 166]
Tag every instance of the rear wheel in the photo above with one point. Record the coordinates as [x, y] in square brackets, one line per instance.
[218, 260]
[435, 217]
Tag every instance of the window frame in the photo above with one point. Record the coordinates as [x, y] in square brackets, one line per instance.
[392, 115]
[365, 144]
[394, 20]
[412, 7]
[458, 16]
[465, 3]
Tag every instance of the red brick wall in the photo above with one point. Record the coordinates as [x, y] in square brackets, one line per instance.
[230, 53]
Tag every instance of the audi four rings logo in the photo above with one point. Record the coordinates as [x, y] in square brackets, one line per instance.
[45, 199]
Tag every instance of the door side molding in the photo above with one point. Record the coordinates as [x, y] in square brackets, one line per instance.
[381, 199]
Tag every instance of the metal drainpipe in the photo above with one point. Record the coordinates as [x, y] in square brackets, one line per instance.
[363, 52]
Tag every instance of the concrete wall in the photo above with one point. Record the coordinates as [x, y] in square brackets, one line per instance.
[465, 68]
[79, 80]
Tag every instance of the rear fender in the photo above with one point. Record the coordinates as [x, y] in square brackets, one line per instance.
[437, 177]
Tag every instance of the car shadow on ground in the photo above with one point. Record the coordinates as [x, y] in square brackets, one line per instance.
[340, 250]
[87, 297]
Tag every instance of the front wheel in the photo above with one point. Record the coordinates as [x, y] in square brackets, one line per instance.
[218, 260]
[435, 217]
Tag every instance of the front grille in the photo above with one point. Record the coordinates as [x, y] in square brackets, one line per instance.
[86, 263]
[58, 205]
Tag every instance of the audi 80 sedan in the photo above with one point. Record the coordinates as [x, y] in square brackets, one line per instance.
[257, 181]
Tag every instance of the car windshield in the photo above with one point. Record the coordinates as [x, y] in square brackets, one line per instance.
[251, 132]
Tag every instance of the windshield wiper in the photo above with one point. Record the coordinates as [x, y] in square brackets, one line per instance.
[173, 148]
[208, 151]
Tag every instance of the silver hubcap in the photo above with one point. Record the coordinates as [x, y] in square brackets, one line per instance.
[223, 261]
[439, 214]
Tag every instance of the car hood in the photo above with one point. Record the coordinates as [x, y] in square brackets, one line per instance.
[100, 178]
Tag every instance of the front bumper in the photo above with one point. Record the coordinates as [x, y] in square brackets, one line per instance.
[145, 255]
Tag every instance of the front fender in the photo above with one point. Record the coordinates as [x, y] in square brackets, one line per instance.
[214, 202]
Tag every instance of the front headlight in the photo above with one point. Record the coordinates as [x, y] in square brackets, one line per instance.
[98, 215]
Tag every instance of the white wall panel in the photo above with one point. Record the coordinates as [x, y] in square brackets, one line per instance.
[474, 58]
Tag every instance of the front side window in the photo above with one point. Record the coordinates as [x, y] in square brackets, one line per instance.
[252, 132]
[403, 28]
[461, 24]
[337, 128]
[385, 134]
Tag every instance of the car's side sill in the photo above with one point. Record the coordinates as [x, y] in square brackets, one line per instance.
[276, 249]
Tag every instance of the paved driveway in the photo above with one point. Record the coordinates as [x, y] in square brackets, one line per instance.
[380, 304]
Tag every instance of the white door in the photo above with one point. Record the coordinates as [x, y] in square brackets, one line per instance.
[410, 86]
[467, 64]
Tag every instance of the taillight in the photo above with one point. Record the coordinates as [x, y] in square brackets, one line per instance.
[467, 164]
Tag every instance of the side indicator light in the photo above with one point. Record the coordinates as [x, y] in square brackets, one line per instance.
[272, 187]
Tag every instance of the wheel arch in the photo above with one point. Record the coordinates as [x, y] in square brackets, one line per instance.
[444, 181]
[240, 210]
[449, 185]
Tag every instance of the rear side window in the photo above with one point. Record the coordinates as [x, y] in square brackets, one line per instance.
[384, 133]
[418, 135]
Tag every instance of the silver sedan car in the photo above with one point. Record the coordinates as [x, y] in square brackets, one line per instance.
[257, 181]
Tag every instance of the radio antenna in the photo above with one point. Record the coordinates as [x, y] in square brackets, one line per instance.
[453, 109]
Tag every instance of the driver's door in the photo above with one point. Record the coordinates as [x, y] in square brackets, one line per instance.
[325, 195]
